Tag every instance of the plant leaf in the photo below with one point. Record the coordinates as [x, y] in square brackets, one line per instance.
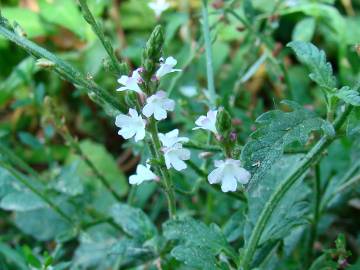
[194, 235]
[276, 130]
[21, 201]
[315, 59]
[348, 95]
[199, 257]
[133, 221]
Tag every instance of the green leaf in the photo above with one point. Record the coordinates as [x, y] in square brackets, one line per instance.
[93, 251]
[315, 59]
[21, 201]
[193, 256]
[353, 123]
[43, 224]
[198, 243]
[69, 181]
[304, 30]
[195, 233]
[64, 13]
[13, 257]
[104, 162]
[348, 95]
[133, 221]
[291, 210]
[277, 129]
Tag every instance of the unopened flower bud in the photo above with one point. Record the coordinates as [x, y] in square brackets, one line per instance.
[223, 122]
[205, 155]
[152, 52]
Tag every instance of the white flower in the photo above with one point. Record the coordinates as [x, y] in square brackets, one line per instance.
[143, 173]
[157, 105]
[166, 67]
[229, 173]
[131, 83]
[171, 138]
[207, 122]
[175, 156]
[159, 6]
[130, 126]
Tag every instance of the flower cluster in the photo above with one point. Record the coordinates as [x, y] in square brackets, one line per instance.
[156, 107]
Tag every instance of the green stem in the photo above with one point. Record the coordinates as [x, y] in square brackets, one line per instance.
[209, 63]
[314, 224]
[100, 34]
[15, 160]
[311, 158]
[167, 182]
[65, 70]
[42, 196]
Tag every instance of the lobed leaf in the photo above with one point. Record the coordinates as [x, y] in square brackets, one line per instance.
[315, 59]
[198, 243]
[348, 95]
[276, 130]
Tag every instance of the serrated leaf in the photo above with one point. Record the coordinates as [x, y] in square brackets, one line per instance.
[193, 256]
[277, 129]
[348, 95]
[197, 243]
[195, 233]
[315, 59]
[133, 221]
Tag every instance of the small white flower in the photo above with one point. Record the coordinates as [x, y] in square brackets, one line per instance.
[130, 126]
[159, 6]
[131, 83]
[229, 173]
[207, 122]
[175, 156]
[157, 105]
[171, 138]
[143, 173]
[166, 67]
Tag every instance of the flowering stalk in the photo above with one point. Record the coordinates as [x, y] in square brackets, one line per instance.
[151, 55]
[311, 158]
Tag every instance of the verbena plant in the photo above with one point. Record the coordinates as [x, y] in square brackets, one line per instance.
[273, 182]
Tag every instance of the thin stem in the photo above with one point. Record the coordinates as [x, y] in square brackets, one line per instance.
[42, 196]
[314, 224]
[209, 63]
[349, 184]
[100, 34]
[73, 143]
[67, 71]
[14, 159]
[167, 182]
[310, 159]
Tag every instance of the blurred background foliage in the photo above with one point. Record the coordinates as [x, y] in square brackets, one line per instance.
[253, 72]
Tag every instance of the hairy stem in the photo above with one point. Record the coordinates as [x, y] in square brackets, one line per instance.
[311, 158]
[120, 69]
[167, 182]
[66, 71]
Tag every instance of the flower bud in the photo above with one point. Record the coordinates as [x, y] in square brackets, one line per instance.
[152, 52]
[223, 122]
